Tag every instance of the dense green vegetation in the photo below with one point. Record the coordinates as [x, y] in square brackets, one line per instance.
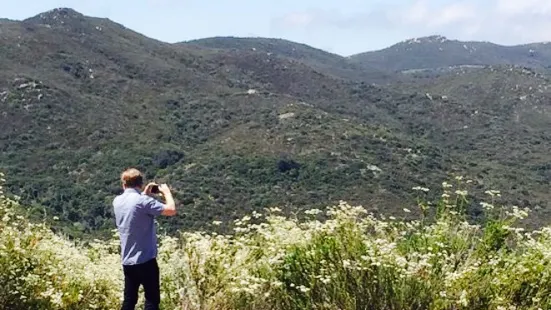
[320, 60]
[341, 257]
[238, 125]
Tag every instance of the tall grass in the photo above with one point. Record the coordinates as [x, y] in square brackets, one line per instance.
[348, 260]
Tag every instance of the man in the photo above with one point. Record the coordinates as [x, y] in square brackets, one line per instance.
[135, 211]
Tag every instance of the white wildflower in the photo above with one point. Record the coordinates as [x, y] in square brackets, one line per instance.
[303, 289]
[313, 211]
[493, 193]
[487, 206]
[463, 299]
[461, 193]
[422, 189]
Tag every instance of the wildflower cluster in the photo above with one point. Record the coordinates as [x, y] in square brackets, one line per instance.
[349, 260]
[40, 270]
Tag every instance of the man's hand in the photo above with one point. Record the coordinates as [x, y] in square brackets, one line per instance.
[165, 190]
[147, 190]
[170, 209]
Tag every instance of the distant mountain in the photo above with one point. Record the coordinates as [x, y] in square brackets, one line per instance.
[325, 62]
[439, 51]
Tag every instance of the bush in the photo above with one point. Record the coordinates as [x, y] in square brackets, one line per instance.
[40, 270]
[352, 260]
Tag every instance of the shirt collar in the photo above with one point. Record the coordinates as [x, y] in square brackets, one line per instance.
[131, 190]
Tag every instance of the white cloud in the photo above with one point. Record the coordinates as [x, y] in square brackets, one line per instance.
[298, 19]
[318, 18]
[500, 21]
[524, 7]
[425, 13]
[518, 21]
[417, 13]
[505, 22]
[453, 13]
[472, 29]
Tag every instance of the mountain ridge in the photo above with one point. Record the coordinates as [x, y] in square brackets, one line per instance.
[319, 59]
[65, 11]
[439, 51]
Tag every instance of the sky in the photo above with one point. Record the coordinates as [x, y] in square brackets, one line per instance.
[343, 27]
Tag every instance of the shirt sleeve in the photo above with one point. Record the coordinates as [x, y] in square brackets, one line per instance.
[152, 206]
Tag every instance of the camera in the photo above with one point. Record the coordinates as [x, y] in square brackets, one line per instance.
[155, 189]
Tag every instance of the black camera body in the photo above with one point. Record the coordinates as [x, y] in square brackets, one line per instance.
[155, 189]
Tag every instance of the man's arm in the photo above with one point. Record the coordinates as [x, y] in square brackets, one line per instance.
[154, 207]
[170, 205]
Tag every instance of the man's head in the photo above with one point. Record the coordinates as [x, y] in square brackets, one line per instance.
[132, 178]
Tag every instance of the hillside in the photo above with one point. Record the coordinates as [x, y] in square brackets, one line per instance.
[319, 60]
[499, 116]
[439, 51]
[86, 97]
[236, 130]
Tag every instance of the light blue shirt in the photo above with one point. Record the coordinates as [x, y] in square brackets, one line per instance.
[135, 218]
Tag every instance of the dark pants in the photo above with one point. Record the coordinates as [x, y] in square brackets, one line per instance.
[146, 274]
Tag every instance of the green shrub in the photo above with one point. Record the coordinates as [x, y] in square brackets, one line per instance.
[351, 260]
[40, 270]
